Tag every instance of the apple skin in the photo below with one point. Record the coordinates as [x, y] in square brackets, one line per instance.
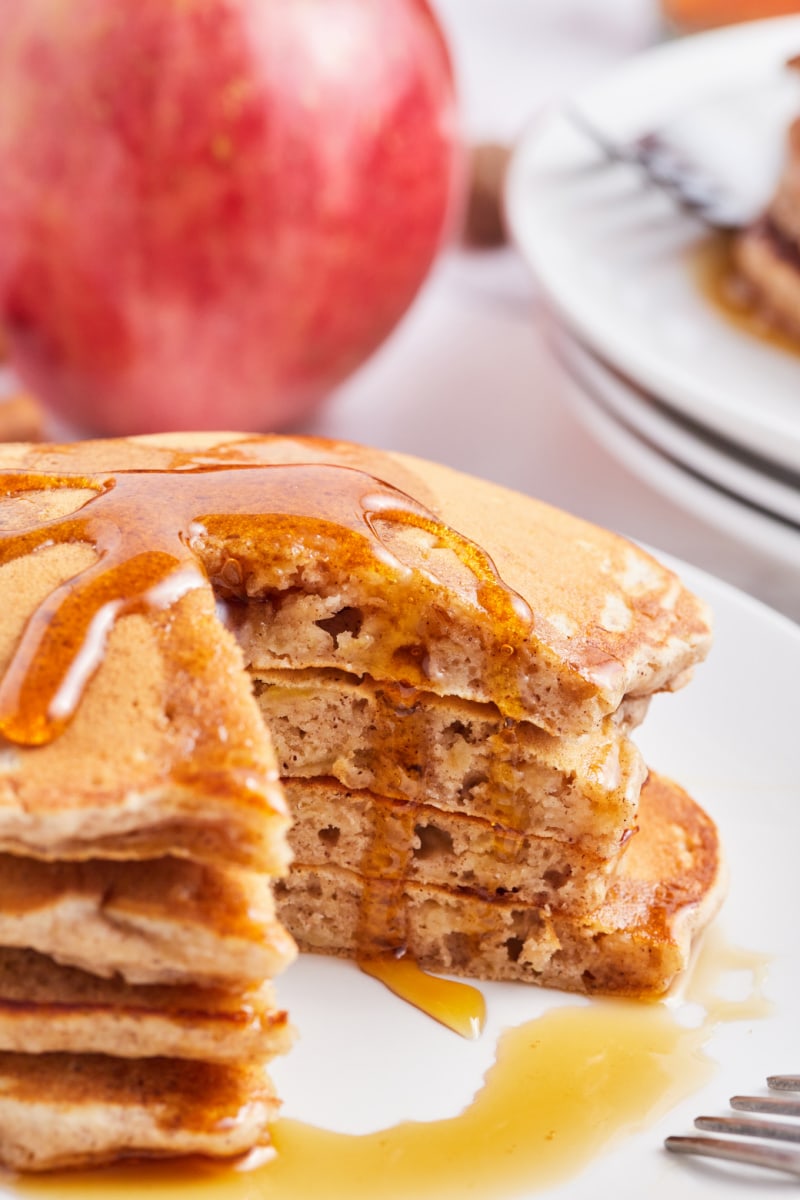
[212, 211]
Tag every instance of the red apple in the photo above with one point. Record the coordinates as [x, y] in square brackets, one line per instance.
[211, 211]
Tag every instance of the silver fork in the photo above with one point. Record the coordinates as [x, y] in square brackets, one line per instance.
[671, 171]
[754, 1153]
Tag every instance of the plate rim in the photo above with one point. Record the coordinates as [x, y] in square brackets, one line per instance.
[769, 535]
[650, 418]
[774, 435]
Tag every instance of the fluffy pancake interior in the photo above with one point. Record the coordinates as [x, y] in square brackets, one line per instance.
[668, 884]
[459, 756]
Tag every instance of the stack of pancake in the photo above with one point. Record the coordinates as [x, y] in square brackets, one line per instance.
[450, 673]
[767, 253]
[137, 925]
[457, 760]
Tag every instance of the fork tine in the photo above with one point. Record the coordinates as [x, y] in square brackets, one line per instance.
[775, 1105]
[744, 1152]
[780, 1131]
[784, 1083]
[616, 151]
[667, 169]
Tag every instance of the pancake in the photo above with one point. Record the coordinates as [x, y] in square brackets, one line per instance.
[376, 836]
[668, 884]
[168, 920]
[77, 1110]
[461, 757]
[167, 753]
[46, 1008]
[450, 584]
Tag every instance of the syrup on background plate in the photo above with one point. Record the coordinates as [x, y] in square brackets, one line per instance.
[564, 1088]
[718, 280]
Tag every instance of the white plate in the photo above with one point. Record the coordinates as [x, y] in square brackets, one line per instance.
[614, 257]
[768, 535]
[730, 468]
[366, 1060]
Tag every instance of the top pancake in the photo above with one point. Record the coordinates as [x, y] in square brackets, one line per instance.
[470, 590]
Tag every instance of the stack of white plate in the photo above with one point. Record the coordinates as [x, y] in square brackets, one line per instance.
[704, 410]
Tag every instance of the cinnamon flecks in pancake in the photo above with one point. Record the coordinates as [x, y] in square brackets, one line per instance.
[344, 827]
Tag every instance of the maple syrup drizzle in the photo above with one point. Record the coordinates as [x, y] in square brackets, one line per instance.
[459, 1006]
[151, 529]
[564, 1088]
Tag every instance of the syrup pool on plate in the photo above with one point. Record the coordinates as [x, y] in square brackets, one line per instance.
[564, 1088]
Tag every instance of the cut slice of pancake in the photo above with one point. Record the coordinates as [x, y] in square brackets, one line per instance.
[47, 1008]
[668, 885]
[378, 564]
[73, 1110]
[167, 920]
[462, 757]
[393, 839]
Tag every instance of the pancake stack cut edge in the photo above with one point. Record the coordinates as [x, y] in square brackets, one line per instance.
[449, 674]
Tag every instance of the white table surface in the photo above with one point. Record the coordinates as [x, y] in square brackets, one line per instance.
[466, 378]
